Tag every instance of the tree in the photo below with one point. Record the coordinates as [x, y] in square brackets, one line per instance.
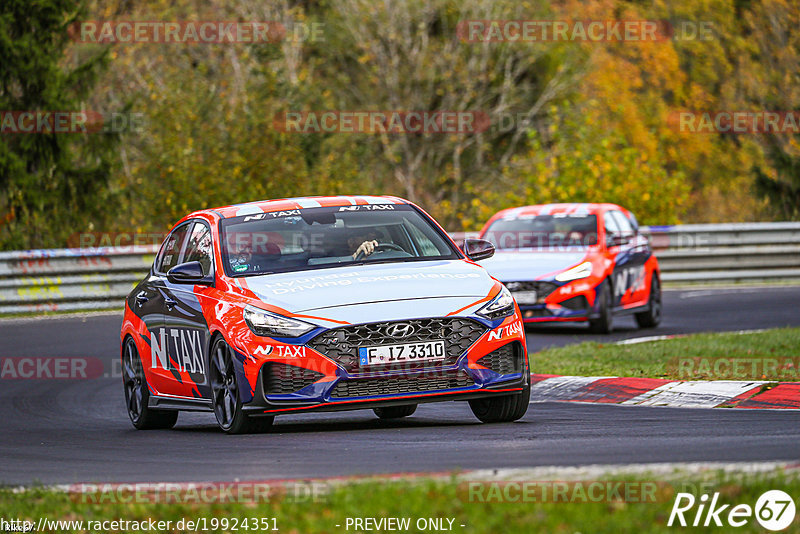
[409, 56]
[50, 183]
[772, 85]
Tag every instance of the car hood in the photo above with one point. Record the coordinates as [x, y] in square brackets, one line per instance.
[377, 292]
[523, 265]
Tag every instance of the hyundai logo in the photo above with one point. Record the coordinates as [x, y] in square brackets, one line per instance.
[399, 330]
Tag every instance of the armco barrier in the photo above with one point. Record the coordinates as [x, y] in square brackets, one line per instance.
[735, 252]
[70, 279]
[86, 279]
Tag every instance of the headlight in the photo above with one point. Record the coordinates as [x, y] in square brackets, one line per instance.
[264, 323]
[579, 271]
[500, 306]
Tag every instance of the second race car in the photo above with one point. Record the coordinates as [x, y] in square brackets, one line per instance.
[575, 262]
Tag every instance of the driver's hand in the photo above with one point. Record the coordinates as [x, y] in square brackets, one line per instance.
[367, 248]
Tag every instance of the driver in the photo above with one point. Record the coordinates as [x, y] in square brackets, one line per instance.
[241, 257]
[363, 242]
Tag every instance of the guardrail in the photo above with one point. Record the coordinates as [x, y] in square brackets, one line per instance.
[70, 279]
[100, 278]
[736, 252]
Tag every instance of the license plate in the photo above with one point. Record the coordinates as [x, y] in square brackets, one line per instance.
[525, 297]
[406, 352]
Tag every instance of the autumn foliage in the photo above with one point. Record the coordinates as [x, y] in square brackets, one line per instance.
[570, 120]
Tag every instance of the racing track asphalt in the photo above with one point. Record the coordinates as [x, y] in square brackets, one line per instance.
[62, 431]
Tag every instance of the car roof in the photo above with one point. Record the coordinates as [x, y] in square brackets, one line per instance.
[285, 204]
[575, 208]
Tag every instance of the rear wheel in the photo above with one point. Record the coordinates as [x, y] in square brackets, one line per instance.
[603, 324]
[137, 394]
[502, 409]
[231, 418]
[651, 317]
[395, 412]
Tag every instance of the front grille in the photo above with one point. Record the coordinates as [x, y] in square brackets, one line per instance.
[281, 378]
[505, 361]
[366, 387]
[342, 344]
[543, 289]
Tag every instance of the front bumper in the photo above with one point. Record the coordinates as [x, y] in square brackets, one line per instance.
[506, 372]
[542, 313]
[571, 301]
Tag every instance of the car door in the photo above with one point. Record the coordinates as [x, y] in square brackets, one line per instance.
[617, 254]
[638, 249]
[629, 263]
[187, 329]
[164, 376]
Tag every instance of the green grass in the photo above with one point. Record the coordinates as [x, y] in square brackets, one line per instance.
[423, 498]
[773, 355]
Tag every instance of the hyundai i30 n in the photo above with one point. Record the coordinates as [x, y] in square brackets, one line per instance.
[315, 304]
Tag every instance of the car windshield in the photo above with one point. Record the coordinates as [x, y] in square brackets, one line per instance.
[316, 238]
[555, 231]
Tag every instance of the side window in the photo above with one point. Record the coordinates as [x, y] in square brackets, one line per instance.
[612, 228]
[623, 223]
[171, 249]
[426, 247]
[198, 248]
[634, 222]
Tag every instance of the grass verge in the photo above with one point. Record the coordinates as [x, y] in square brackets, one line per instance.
[772, 355]
[421, 498]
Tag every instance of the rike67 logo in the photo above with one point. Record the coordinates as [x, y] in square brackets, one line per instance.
[774, 510]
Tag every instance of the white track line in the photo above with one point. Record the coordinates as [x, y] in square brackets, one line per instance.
[694, 394]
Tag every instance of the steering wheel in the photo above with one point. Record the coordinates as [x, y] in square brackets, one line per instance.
[381, 247]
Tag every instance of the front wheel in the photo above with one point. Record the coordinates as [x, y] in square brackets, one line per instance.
[395, 412]
[137, 394]
[503, 409]
[225, 394]
[651, 317]
[604, 323]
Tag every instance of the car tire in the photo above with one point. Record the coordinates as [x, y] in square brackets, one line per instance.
[502, 409]
[137, 393]
[226, 402]
[395, 412]
[652, 317]
[603, 324]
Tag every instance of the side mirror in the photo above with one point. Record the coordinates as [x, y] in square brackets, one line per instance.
[478, 249]
[616, 240]
[188, 273]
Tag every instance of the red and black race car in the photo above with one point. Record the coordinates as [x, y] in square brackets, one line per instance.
[313, 304]
[575, 262]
